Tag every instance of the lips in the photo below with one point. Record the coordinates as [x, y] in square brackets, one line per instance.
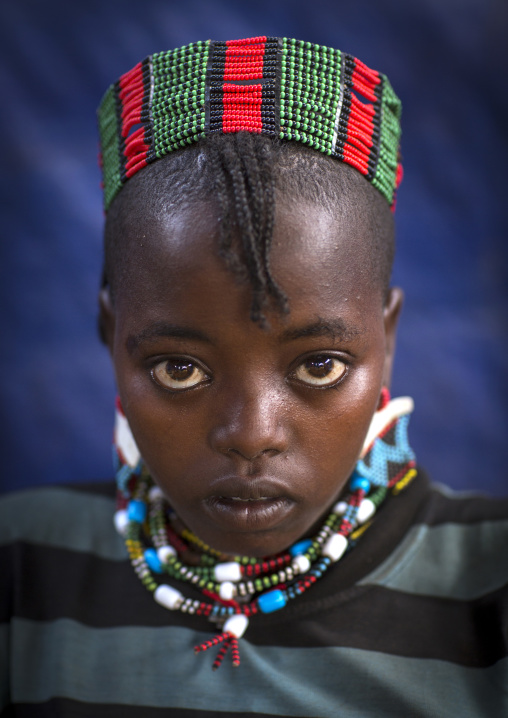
[238, 498]
[248, 488]
[248, 503]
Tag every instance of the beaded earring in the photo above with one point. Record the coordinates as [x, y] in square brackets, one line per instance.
[234, 591]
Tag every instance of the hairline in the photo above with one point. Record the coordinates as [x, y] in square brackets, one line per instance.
[300, 175]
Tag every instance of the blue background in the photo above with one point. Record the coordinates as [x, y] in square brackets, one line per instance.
[447, 59]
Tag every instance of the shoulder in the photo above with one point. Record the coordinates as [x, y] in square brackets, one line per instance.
[445, 505]
[72, 517]
[454, 548]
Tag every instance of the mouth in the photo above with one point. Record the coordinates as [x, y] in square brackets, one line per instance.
[248, 504]
[250, 498]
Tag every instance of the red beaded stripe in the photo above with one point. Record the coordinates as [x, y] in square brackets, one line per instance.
[242, 103]
[366, 72]
[364, 86]
[242, 108]
[361, 124]
[360, 134]
[131, 95]
[266, 566]
[364, 113]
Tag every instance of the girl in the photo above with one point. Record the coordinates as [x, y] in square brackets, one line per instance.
[268, 506]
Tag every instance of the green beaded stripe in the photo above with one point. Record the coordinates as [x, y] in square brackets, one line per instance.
[384, 179]
[109, 131]
[178, 100]
[310, 88]
[314, 102]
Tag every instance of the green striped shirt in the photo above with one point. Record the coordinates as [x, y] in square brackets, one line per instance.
[413, 622]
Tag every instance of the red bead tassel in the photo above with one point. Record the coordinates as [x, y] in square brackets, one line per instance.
[235, 653]
[212, 642]
[220, 655]
[228, 640]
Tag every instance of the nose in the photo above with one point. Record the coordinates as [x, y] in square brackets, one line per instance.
[250, 421]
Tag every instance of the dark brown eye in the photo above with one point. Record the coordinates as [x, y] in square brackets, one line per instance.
[320, 370]
[178, 374]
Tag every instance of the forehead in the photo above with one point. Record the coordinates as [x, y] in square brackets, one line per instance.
[315, 255]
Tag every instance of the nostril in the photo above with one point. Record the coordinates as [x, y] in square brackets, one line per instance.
[253, 457]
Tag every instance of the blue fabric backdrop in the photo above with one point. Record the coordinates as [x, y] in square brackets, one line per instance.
[447, 59]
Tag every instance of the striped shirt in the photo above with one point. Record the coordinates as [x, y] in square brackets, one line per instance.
[412, 622]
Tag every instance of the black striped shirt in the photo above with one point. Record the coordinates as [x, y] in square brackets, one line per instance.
[413, 622]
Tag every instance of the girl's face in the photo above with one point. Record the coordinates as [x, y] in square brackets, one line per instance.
[251, 433]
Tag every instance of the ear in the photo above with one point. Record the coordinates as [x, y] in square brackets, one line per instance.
[106, 319]
[391, 314]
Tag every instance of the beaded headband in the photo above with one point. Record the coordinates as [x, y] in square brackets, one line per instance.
[283, 88]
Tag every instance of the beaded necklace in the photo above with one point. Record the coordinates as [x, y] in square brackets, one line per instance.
[236, 589]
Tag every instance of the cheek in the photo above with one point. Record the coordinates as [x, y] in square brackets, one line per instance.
[335, 439]
[152, 424]
[165, 437]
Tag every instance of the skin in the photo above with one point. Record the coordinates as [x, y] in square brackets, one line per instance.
[249, 450]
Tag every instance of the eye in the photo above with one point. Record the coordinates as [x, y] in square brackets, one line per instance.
[320, 370]
[179, 374]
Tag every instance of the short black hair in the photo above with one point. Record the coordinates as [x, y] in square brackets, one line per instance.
[245, 174]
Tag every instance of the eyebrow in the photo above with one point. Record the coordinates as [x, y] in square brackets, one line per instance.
[162, 329]
[336, 329]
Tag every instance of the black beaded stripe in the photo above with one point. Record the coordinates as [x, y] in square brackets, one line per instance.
[146, 110]
[270, 104]
[214, 87]
[121, 142]
[376, 134]
[348, 66]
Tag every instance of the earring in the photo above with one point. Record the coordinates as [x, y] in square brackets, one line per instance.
[386, 455]
[126, 457]
[384, 398]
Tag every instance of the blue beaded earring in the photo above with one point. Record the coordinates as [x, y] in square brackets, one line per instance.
[386, 451]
